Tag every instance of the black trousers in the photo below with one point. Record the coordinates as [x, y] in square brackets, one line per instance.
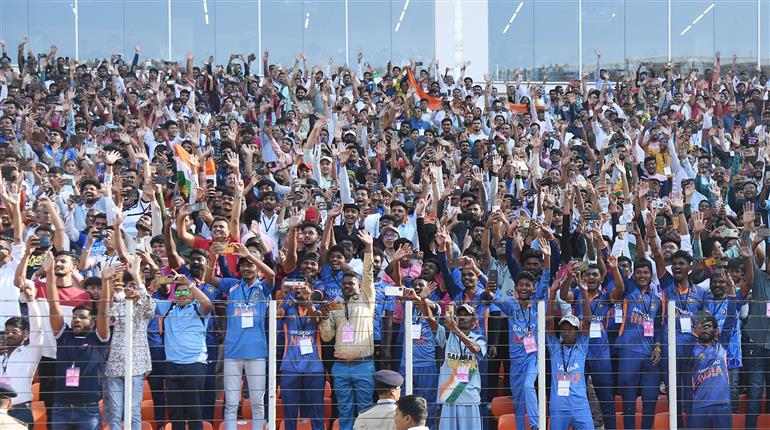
[184, 384]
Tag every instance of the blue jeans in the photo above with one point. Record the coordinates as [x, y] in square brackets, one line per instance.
[523, 377]
[354, 386]
[113, 402]
[68, 417]
[756, 363]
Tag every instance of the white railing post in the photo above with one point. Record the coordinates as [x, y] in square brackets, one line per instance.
[271, 364]
[671, 332]
[541, 364]
[408, 350]
[128, 364]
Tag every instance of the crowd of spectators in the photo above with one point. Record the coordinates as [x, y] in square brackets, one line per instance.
[200, 192]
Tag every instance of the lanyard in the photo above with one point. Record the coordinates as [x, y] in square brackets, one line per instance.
[6, 359]
[568, 359]
[529, 316]
[646, 308]
[686, 298]
[246, 298]
[272, 221]
[594, 304]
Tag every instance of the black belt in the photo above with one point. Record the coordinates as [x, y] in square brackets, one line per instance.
[23, 405]
[352, 361]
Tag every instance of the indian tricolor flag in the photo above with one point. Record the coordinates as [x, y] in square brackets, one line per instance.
[434, 103]
[462, 372]
[186, 174]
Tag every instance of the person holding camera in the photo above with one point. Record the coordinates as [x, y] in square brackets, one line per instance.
[302, 371]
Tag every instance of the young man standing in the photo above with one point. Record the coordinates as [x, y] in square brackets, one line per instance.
[245, 341]
[569, 404]
[459, 380]
[411, 413]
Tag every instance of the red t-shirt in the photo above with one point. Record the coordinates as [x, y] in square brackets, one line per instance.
[68, 296]
[232, 259]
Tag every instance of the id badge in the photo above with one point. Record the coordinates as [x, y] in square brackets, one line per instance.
[72, 379]
[529, 343]
[563, 388]
[767, 310]
[596, 330]
[416, 331]
[649, 329]
[5, 380]
[618, 313]
[686, 324]
[463, 373]
[305, 346]
[247, 318]
[348, 333]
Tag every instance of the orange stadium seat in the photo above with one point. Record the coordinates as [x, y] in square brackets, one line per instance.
[502, 406]
[506, 422]
[206, 426]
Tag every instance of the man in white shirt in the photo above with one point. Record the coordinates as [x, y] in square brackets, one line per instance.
[7, 422]
[10, 255]
[23, 340]
[411, 413]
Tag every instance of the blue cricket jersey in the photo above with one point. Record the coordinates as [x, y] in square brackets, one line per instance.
[522, 322]
[568, 364]
[639, 310]
[299, 330]
[246, 311]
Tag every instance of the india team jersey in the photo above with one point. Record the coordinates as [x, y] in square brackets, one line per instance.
[246, 310]
[642, 319]
[719, 309]
[688, 304]
[302, 352]
[568, 384]
[522, 321]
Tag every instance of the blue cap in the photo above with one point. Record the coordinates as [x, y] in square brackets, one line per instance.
[388, 378]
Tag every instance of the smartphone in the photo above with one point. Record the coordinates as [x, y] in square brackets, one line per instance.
[524, 223]
[229, 249]
[161, 180]
[294, 283]
[711, 262]
[763, 232]
[79, 199]
[493, 276]
[392, 291]
[730, 233]
[44, 242]
[582, 266]
[164, 280]
[456, 192]
[7, 171]
[620, 228]
[322, 206]
[196, 207]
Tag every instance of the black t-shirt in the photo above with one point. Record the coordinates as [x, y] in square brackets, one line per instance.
[85, 356]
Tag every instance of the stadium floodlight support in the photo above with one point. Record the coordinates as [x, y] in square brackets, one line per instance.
[671, 333]
[128, 363]
[271, 364]
[541, 364]
[408, 346]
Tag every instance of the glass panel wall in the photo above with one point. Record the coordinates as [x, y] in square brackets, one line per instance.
[511, 39]
[556, 40]
[370, 30]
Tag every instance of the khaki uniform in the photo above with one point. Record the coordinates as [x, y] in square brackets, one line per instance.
[8, 422]
[379, 417]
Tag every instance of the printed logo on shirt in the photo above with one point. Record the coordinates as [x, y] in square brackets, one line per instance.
[211, 290]
[710, 372]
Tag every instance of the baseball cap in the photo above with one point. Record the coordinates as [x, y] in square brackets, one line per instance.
[572, 320]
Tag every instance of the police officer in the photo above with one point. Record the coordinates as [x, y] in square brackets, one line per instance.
[387, 385]
[7, 422]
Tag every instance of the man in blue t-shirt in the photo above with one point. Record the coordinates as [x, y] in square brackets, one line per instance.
[639, 346]
[707, 370]
[302, 372]
[522, 334]
[568, 351]
[424, 326]
[245, 340]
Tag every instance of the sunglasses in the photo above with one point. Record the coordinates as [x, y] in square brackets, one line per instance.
[179, 293]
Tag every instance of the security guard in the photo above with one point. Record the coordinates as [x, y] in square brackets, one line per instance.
[7, 422]
[387, 385]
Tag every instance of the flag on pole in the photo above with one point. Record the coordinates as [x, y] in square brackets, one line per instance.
[186, 174]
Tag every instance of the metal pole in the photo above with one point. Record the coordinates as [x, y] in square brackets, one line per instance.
[259, 36]
[271, 364]
[668, 33]
[759, 33]
[671, 331]
[77, 31]
[169, 30]
[541, 364]
[580, 43]
[347, 38]
[408, 353]
[128, 364]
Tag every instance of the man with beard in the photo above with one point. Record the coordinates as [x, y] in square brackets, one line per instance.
[69, 297]
[348, 229]
[247, 300]
[268, 219]
[349, 322]
[602, 294]
[90, 189]
[724, 297]
[80, 351]
[522, 328]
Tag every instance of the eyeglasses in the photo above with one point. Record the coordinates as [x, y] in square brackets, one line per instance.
[184, 292]
[390, 236]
